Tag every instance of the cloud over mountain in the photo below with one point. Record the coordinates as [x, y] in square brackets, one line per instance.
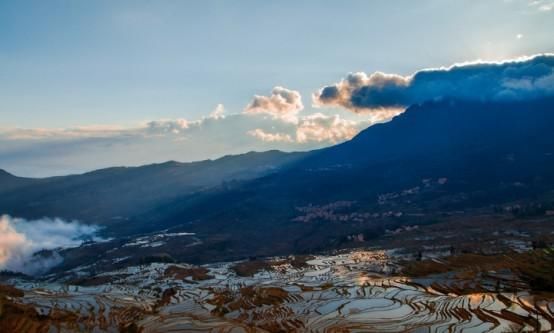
[314, 128]
[519, 79]
[20, 240]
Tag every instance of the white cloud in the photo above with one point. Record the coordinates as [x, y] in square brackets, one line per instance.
[321, 128]
[282, 103]
[218, 112]
[168, 126]
[270, 137]
[542, 5]
[21, 239]
[61, 133]
[314, 129]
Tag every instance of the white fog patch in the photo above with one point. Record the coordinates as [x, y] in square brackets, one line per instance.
[21, 241]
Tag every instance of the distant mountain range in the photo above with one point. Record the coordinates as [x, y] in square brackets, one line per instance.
[436, 158]
[110, 195]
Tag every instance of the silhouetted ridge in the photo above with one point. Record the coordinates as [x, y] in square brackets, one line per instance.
[448, 125]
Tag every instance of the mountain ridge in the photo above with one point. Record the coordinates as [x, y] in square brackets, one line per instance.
[99, 195]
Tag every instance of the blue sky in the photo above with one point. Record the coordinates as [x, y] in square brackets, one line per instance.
[68, 64]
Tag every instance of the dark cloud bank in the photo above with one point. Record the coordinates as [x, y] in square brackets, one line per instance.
[521, 79]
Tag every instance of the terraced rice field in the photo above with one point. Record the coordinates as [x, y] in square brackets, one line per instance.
[360, 291]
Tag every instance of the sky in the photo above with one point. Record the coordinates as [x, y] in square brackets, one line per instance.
[91, 84]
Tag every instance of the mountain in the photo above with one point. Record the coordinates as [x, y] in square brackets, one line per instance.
[441, 127]
[433, 160]
[113, 195]
[10, 182]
